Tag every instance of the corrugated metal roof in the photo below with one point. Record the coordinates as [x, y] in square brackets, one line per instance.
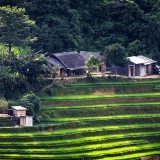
[141, 60]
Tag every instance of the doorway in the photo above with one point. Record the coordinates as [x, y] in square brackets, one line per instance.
[131, 71]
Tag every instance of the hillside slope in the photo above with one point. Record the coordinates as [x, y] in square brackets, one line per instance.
[91, 125]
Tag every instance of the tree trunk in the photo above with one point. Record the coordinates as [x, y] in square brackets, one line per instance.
[10, 54]
[116, 71]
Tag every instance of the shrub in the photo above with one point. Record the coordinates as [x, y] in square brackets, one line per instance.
[3, 104]
[11, 103]
[109, 77]
[31, 102]
[49, 91]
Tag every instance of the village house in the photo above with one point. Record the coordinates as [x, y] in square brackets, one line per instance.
[19, 116]
[136, 66]
[73, 63]
[69, 63]
[19, 111]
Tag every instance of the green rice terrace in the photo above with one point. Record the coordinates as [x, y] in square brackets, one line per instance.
[87, 121]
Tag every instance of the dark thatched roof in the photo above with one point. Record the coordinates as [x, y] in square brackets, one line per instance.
[86, 55]
[55, 62]
[71, 60]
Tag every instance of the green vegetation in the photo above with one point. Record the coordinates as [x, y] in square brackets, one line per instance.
[105, 118]
[15, 27]
[88, 97]
[118, 51]
[91, 26]
[135, 105]
[3, 104]
[31, 102]
[127, 130]
[89, 64]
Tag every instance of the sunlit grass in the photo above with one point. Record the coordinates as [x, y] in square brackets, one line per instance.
[110, 153]
[80, 140]
[97, 142]
[43, 108]
[77, 119]
[102, 96]
[114, 83]
[80, 130]
[70, 149]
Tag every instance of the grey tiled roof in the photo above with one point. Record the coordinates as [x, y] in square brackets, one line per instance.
[71, 60]
[86, 54]
[55, 62]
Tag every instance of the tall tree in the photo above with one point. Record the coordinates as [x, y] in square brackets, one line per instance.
[136, 48]
[15, 27]
[115, 54]
[57, 24]
[11, 3]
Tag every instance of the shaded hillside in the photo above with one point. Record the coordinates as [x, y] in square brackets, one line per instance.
[66, 25]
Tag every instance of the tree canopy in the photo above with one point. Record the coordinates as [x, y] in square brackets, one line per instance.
[65, 25]
[92, 61]
[115, 54]
[119, 27]
[15, 27]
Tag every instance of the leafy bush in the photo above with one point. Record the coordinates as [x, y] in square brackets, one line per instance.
[5, 121]
[49, 91]
[31, 102]
[11, 103]
[3, 104]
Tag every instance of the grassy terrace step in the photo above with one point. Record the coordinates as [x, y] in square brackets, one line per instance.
[65, 149]
[80, 140]
[135, 156]
[157, 86]
[95, 154]
[144, 104]
[76, 100]
[78, 130]
[97, 112]
[70, 119]
[99, 101]
[155, 82]
[57, 143]
[90, 134]
[102, 96]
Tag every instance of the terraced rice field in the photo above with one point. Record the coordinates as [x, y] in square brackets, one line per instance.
[86, 127]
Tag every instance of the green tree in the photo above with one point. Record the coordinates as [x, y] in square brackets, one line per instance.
[3, 104]
[115, 54]
[136, 48]
[15, 27]
[92, 61]
[151, 34]
[34, 68]
[31, 102]
[56, 23]
[146, 5]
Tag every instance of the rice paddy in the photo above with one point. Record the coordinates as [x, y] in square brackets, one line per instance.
[102, 131]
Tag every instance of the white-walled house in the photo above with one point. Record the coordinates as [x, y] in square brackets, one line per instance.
[20, 118]
[136, 66]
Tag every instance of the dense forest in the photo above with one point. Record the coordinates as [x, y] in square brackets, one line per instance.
[66, 25]
[131, 27]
